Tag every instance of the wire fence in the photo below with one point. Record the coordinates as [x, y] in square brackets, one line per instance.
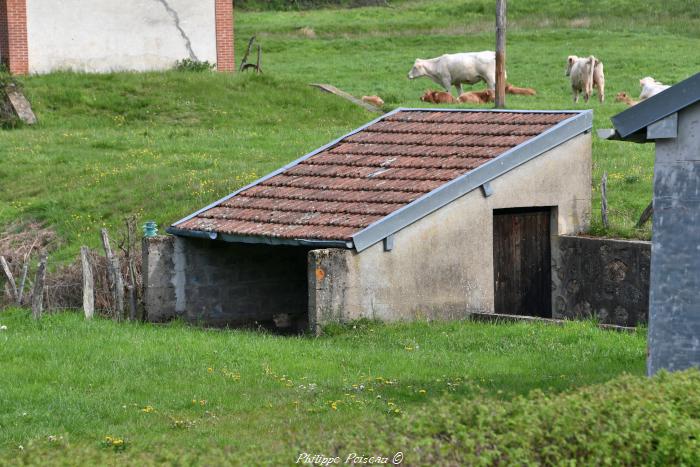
[63, 284]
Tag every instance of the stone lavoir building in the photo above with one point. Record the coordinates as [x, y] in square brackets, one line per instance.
[420, 214]
[40, 36]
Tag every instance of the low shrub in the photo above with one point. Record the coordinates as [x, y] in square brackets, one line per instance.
[187, 64]
[627, 421]
[306, 4]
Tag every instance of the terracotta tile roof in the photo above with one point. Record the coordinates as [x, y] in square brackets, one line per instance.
[369, 174]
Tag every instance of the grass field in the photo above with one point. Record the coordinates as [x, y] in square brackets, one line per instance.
[78, 382]
[161, 145]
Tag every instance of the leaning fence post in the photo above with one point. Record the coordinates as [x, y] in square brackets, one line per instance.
[10, 278]
[131, 267]
[115, 277]
[25, 271]
[38, 294]
[604, 199]
[22, 282]
[88, 284]
[646, 215]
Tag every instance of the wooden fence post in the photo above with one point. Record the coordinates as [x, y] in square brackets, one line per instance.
[88, 284]
[604, 199]
[131, 267]
[10, 278]
[22, 282]
[38, 294]
[25, 271]
[115, 277]
[646, 215]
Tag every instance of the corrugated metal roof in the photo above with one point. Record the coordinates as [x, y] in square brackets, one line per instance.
[340, 190]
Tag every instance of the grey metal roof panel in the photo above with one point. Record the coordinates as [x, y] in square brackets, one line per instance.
[663, 104]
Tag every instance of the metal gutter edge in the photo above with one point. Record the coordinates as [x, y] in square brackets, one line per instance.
[260, 240]
[286, 167]
[579, 123]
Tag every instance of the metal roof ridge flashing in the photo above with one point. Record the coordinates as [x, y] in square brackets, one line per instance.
[523, 111]
[580, 122]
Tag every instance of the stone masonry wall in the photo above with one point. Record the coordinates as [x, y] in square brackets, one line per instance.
[602, 278]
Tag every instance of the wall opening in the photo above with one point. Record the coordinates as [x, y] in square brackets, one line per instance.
[246, 285]
[522, 261]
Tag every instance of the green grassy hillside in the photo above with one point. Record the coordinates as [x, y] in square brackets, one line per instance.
[160, 145]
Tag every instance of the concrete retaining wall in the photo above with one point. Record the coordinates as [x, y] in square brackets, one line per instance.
[602, 278]
[225, 284]
[109, 35]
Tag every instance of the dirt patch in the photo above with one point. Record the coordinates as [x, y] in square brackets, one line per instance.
[580, 23]
[307, 32]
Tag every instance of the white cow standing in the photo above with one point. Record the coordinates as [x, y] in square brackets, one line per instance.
[586, 73]
[454, 69]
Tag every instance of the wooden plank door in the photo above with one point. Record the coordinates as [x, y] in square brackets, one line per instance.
[522, 262]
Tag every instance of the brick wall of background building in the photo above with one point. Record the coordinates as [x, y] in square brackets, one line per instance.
[13, 36]
[225, 61]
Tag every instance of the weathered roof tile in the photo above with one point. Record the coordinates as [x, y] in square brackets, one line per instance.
[367, 175]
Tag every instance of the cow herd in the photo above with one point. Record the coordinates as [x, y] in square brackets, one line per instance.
[585, 73]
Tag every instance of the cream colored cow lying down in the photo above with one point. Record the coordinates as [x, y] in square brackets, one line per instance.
[650, 87]
[586, 73]
[454, 69]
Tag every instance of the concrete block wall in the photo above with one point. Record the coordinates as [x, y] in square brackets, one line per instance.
[225, 284]
[601, 278]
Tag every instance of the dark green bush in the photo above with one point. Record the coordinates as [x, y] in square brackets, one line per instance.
[627, 421]
[187, 64]
[306, 4]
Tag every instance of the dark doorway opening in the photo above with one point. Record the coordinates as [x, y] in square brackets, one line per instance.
[522, 261]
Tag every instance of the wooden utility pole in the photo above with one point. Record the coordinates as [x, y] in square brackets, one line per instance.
[500, 53]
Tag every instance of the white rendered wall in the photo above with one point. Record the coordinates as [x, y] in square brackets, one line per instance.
[113, 35]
